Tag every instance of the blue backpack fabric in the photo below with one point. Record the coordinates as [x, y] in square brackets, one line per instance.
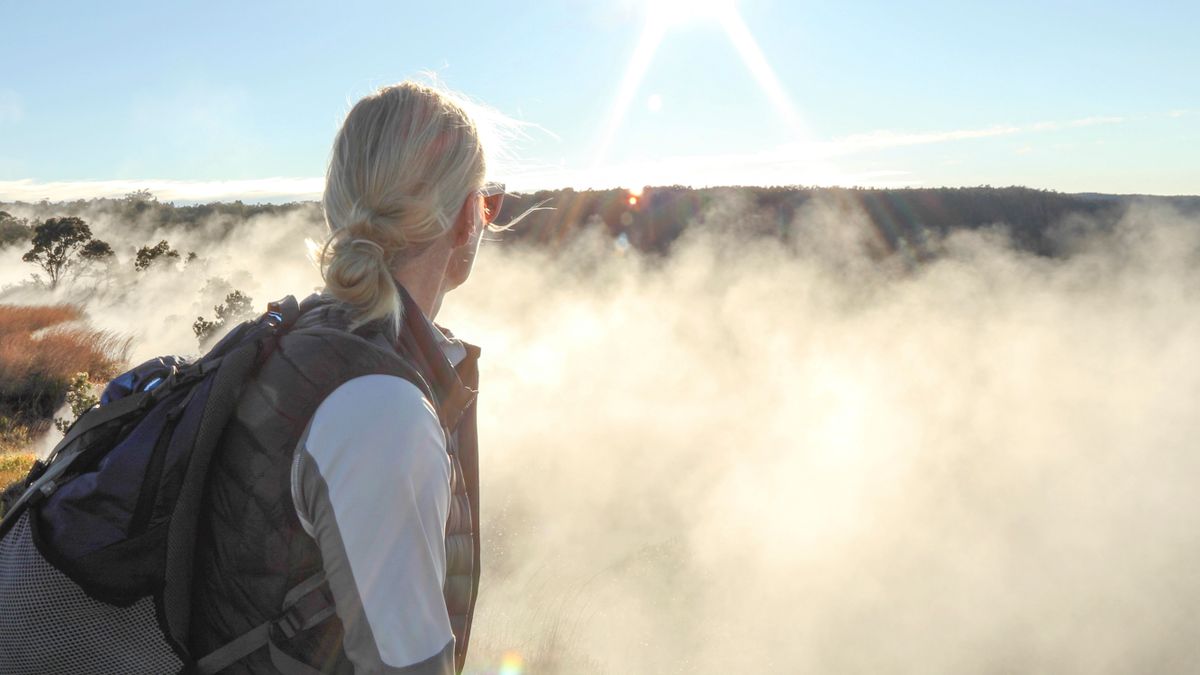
[96, 553]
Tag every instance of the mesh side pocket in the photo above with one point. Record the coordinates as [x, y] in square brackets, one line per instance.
[49, 625]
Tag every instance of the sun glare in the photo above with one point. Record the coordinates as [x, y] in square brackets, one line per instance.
[671, 12]
[663, 15]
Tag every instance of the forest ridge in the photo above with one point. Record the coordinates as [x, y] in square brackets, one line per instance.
[652, 219]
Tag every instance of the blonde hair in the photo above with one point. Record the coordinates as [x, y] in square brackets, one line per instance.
[402, 164]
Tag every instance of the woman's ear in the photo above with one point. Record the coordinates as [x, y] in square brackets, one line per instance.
[468, 233]
[464, 225]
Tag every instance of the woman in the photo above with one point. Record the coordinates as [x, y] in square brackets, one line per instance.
[343, 505]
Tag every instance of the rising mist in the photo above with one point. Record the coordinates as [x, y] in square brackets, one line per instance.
[754, 457]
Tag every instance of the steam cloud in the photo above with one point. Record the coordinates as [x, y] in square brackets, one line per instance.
[749, 457]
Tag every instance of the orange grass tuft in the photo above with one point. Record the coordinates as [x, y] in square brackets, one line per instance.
[58, 354]
[28, 319]
[39, 357]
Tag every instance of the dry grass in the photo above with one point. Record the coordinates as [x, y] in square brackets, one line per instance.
[13, 467]
[19, 319]
[58, 353]
[17, 437]
[38, 358]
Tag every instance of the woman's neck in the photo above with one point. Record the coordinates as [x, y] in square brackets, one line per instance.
[424, 278]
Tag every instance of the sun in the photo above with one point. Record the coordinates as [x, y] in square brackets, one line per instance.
[671, 12]
[662, 15]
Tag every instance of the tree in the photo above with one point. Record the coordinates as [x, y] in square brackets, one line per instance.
[147, 255]
[94, 254]
[55, 243]
[96, 250]
[237, 307]
[13, 229]
[142, 195]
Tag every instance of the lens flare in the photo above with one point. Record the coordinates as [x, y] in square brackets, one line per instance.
[511, 664]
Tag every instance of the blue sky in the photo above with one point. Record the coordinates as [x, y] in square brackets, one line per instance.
[228, 100]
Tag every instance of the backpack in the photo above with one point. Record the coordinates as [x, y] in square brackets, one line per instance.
[97, 547]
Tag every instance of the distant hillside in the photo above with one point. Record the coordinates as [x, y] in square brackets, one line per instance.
[904, 218]
[140, 213]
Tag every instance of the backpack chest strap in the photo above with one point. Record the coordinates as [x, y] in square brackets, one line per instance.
[305, 606]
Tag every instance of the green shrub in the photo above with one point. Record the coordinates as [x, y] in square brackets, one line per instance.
[81, 396]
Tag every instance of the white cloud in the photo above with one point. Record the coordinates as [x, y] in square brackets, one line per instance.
[803, 163]
[255, 190]
[778, 166]
[1093, 121]
[882, 139]
[806, 163]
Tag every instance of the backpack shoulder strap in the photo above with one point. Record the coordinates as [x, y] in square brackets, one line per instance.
[310, 602]
[238, 359]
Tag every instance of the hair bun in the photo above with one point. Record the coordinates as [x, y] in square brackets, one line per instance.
[372, 244]
[403, 161]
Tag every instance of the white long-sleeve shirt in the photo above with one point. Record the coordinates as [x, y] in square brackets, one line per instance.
[371, 483]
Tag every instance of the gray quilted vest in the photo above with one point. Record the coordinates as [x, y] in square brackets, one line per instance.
[252, 549]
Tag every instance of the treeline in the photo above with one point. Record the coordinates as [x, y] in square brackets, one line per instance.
[654, 218]
[141, 213]
[903, 218]
[57, 245]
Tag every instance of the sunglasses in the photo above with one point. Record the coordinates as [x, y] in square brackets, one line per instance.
[493, 199]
